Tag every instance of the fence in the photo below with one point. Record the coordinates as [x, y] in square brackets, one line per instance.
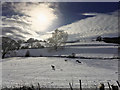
[38, 87]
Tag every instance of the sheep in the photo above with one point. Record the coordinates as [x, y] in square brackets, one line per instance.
[53, 67]
[78, 61]
[65, 60]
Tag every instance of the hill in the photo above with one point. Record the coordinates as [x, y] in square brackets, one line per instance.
[99, 25]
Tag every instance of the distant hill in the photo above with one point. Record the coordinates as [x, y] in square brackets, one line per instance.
[100, 25]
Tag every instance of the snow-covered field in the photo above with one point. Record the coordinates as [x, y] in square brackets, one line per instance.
[26, 71]
[94, 49]
[32, 70]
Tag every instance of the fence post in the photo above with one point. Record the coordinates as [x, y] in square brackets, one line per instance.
[102, 86]
[118, 84]
[114, 87]
[39, 87]
[70, 86]
[80, 84]
[109, 85]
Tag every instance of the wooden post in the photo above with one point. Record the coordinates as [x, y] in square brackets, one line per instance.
[80, 84]
[109, 85]
[39, 87]
[118, 84]
[114, 87]
[102, 87]
[70, 86]
[32, 87]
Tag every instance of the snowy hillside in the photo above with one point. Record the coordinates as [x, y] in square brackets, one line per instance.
[99, 25]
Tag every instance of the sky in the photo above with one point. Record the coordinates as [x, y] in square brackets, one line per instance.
[23, 20]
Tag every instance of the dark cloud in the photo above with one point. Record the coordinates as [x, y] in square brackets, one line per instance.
[13, 19]
[15, 36]
[6, 30]
[8, 9]
[13, 30]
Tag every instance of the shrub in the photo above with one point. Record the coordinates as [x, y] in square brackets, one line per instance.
[72, 55]
[27, 54]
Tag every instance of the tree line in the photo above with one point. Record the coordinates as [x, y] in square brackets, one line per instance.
[109, 39]
[58, 39]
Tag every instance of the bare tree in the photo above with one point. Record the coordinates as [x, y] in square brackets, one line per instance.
[8, 44]
[59, 38]
[38, 45]
[19, 43]
[31, 41]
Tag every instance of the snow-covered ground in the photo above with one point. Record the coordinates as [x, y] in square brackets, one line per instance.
[26, 71]
[94, 49]
[32, 70]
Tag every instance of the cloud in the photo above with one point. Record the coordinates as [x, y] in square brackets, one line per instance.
[23, 20]
[115, 13]
[40, 15]
[89, 14]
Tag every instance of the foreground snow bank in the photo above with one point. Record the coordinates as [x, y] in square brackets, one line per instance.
[26, 71]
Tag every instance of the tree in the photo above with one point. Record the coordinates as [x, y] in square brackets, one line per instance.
[31, 41]
[38, 45]
[19, 42]
[59, 37]
[8, 44]
[99, 38]
[27, 54]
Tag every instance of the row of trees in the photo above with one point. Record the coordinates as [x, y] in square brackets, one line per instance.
[58, 39]
[109, 39]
